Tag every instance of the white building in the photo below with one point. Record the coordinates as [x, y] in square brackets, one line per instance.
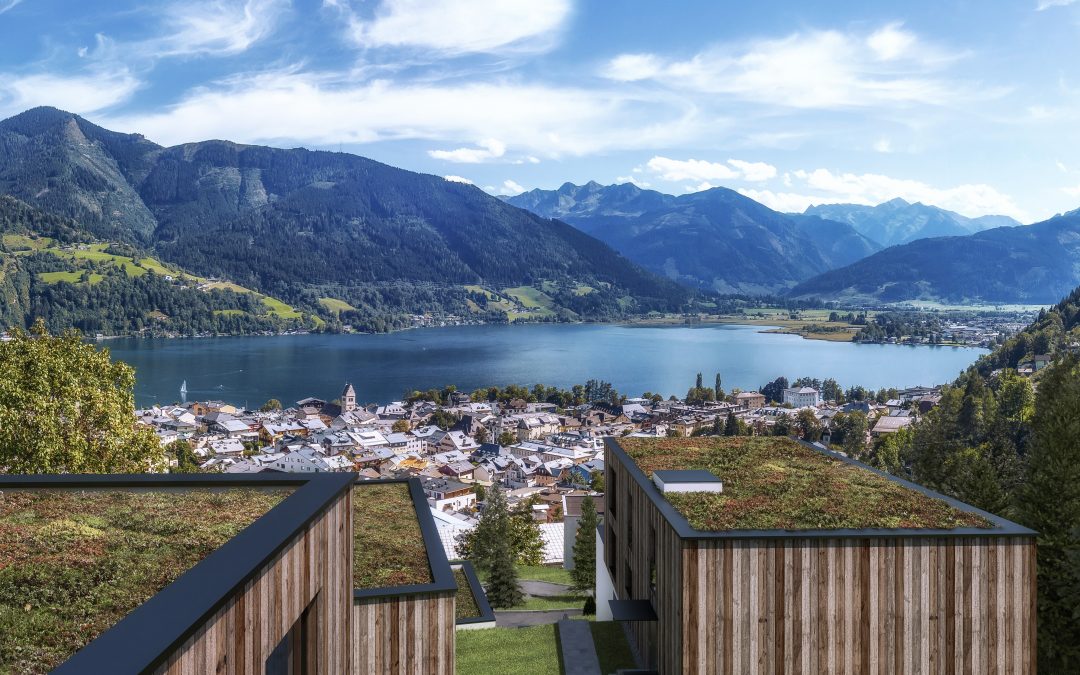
[802, 397]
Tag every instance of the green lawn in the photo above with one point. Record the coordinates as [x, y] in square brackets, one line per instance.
[495, 651]
[554, 575]
[336, 306]
[568, 601]
[611, 646]
[70, 277]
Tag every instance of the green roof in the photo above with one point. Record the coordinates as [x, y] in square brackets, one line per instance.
[775, 483]
[74, 562]
[388, 545]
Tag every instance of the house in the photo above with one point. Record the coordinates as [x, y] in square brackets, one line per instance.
[802, 397]
[227, 447]
[458, 470]
[448, 495]
[869, 596]
[751, 400]
[404, 442]
[533, 427]
[457, 440]
[890, 425]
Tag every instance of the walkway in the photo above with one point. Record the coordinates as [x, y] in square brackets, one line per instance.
[543, 589]
[578, 650]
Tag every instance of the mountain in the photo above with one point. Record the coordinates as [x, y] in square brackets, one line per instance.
[1034, 264]
[319, 229]
[716, 239]
[899, 222]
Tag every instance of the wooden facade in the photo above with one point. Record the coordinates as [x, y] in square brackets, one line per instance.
[875, 603]
[407, 634]
[313, 573]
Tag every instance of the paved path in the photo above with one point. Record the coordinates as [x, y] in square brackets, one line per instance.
[544, 589]
[513, 619]
[578, 650]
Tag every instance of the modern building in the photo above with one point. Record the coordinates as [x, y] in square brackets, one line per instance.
[801, 560]
[280, 596]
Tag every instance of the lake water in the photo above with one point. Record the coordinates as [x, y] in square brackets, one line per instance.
[250, 370]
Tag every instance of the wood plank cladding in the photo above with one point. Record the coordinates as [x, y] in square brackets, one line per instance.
[875, 605]
[408, 634]
[819, 604]
[314, 569]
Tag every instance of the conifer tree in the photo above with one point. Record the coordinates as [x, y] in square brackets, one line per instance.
[502, 588]
[1050, 504]
[584, 573]
[731, 427]
[718, 388]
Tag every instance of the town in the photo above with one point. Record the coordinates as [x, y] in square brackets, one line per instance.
[540, 452]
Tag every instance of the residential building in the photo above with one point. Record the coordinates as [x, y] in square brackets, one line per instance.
[802, 397]
[751, 400]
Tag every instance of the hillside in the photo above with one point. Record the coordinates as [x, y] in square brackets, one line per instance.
[310, 227]
[899, 222]
[1032, 264]
[54, 270]
[716, 239]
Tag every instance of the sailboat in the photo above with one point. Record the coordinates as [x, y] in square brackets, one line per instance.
[183, 388]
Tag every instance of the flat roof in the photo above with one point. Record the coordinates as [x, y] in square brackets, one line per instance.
[780, 487]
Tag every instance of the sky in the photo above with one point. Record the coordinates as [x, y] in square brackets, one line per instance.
[970, 105]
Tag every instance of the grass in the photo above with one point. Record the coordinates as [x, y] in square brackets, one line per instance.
[229, 312]
[776, 483]
[336, 306]
[536, 303]
[20, 242]
[280, 309]
[465, 604]
[554, 575]
[568, 601]
[68, 277]
[524, 651]
[611, 646]
[74, 563]
[388, 546]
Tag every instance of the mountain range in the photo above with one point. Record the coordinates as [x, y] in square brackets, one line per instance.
[899, 222]
[319, 229]
[1034, 264]
[716, 239]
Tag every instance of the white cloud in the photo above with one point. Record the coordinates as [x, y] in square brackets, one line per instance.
[487, 149]
[883, 145]
[6, 5]
[327, 109]
[1047, 4]
[754, 171]
[813, 69]
[785, 202]
[508, 189]
[678, 170]
[458, 179]
[633, 179]
[462, 26]
[1061, 166]
[1072, 191]
[633, 67]
[81, 94]
[968, 199]
[891, 42]
[219, 27]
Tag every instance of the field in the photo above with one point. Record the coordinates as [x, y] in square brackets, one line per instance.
[336, 306]
[68, 277]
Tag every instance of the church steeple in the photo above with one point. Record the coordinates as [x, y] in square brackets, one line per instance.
[348, 399]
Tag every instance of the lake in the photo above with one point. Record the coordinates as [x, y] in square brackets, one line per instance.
[250, 370]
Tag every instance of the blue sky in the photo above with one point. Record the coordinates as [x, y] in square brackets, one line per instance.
[967, 104]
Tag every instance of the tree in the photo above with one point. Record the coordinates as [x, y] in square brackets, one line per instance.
[698, 383]
[67, 407]
[731, 427]
[186, 460]
[718, 389]
[808, 425]
[270, 405]
[597, 481]
[507, 438]
[482, 434]
[774, 391]
[400, 426]
[502, 587]
[583, 575]
[526, 542]
[1050, 504]
[855, 428]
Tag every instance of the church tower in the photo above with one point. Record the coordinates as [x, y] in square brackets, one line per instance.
[348, 399]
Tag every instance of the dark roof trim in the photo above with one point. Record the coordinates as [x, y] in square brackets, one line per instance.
[632, 610]
[442, 576]
[1002, 527]
[487, 614]
[143, 639]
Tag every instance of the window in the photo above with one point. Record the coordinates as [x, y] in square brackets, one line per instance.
[610, 484]
[652, 563]
[629, 580]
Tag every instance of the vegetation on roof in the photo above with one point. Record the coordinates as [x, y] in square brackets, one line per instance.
[777, 483]
[388, 545]
[73, 563]
[465, 605]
